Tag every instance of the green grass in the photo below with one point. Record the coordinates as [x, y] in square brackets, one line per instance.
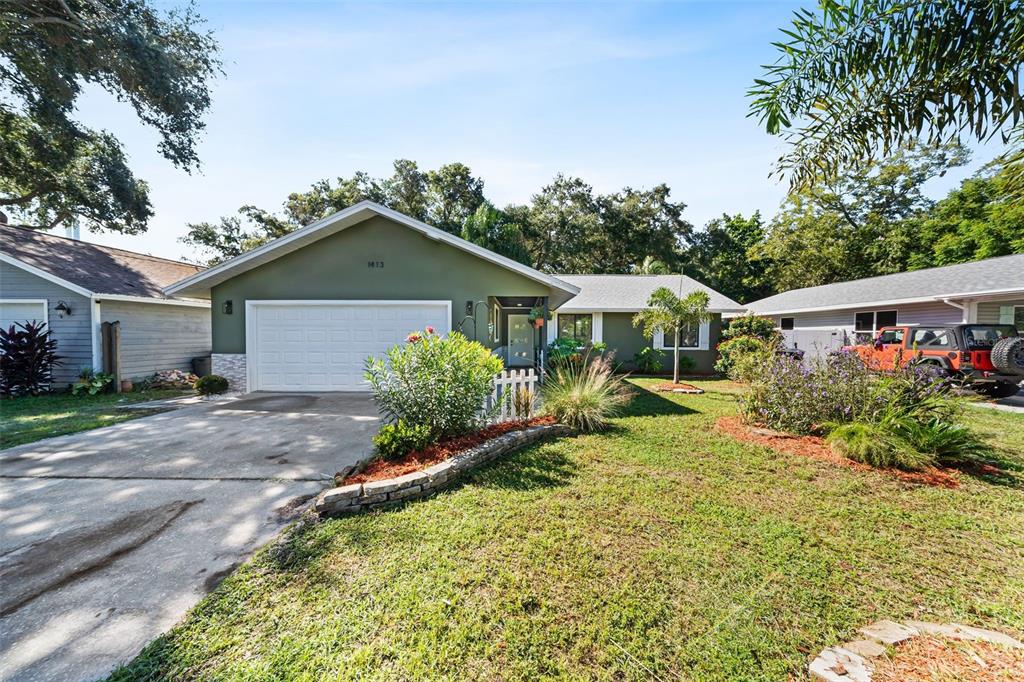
[31, 418]
[661, 549]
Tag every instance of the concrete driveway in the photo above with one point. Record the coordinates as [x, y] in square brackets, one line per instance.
[108, 537]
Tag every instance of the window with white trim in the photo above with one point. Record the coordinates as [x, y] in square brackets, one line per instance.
[579, 328]
[496, 323]
[22, 310]
[866, 323]
[689, 338]
[1012, 314]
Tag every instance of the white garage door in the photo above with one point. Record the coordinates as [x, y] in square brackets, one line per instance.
[323, 345]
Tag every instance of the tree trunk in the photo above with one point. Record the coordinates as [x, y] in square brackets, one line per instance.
[675, 361]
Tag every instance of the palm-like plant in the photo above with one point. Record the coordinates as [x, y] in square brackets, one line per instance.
[670, 314]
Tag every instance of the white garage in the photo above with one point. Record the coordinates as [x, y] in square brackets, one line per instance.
[323, 345]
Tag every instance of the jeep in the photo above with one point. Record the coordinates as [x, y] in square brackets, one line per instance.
[988, 357]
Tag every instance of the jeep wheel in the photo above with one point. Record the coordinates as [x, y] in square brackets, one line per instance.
[1008, 355]
[996, 389]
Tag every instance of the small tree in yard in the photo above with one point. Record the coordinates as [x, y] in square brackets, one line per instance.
[671, 314]
[27, 357]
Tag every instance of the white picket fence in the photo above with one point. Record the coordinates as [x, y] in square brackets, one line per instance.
[513, 396]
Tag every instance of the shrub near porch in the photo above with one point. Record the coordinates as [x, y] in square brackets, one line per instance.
[658, 549]
[428, 388]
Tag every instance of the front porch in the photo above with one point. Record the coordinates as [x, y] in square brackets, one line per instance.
[513, 327]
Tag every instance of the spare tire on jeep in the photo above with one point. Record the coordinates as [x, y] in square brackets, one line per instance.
[1008, 355]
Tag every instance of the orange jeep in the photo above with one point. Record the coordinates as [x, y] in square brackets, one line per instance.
[990, 357]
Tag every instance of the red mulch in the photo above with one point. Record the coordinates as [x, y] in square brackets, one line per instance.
[814, 447]
[925, 659]
[380, 469]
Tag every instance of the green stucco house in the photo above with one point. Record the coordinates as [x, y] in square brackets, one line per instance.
[303, 312]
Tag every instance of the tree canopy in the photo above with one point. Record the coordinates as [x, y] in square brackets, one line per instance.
[52, 168]
[720, 257]
[565, 228]
[863, 223]
[857, 80]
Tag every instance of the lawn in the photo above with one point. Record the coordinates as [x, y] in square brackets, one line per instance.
[32, 418]
[658, 550]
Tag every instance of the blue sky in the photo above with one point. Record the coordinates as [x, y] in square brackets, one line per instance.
[616, 93]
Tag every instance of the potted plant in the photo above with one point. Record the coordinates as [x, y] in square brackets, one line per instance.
[536, 316]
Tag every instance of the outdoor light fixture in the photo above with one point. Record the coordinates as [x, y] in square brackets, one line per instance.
[62, 309]
[469, 308]
[228, 307]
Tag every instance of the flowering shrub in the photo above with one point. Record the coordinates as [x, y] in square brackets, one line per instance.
[801, 397]
[433, 382]
[907, 417]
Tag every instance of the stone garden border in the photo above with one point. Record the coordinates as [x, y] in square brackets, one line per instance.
[852, 661]
[358, 497]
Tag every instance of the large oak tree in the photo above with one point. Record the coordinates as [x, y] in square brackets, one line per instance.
[53, 169]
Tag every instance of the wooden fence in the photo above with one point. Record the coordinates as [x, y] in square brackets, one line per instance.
[514, 396]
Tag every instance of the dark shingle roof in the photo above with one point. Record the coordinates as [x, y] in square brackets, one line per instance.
[100, 269]
[992, 274]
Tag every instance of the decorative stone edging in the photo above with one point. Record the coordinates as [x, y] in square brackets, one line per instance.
[852, 662]
[357, 497]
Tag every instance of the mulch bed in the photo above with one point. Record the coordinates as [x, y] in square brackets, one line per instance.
[381, 469]
[814, 447]
[677, 388]
[926, 659]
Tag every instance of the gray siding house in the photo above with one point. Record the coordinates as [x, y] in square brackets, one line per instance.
[75, 287]
[823, 318]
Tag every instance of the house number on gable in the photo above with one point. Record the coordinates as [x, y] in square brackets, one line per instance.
[374, 264]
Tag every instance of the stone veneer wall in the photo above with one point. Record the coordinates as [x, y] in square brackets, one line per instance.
[357, 497]
[231, 366]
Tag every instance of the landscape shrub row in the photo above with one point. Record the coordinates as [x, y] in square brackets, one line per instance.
[907, 417]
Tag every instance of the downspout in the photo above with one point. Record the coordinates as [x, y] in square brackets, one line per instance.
[964, 308]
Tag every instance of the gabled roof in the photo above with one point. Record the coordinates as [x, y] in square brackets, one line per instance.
[629, 293]
[992, 276]
[90, 268]
[200, 283]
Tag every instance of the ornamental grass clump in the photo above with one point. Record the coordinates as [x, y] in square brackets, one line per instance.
[434, 384]
[585, 395]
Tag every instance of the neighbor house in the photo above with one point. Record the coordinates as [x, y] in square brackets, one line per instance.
[823, 318]
[75, 287]
[303, 312]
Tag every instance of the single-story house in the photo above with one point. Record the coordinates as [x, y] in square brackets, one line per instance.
[823, 318]
[603, 312]
[75, 287]
[303, 312]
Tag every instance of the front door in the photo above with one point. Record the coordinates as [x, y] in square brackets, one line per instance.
[520, 341]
